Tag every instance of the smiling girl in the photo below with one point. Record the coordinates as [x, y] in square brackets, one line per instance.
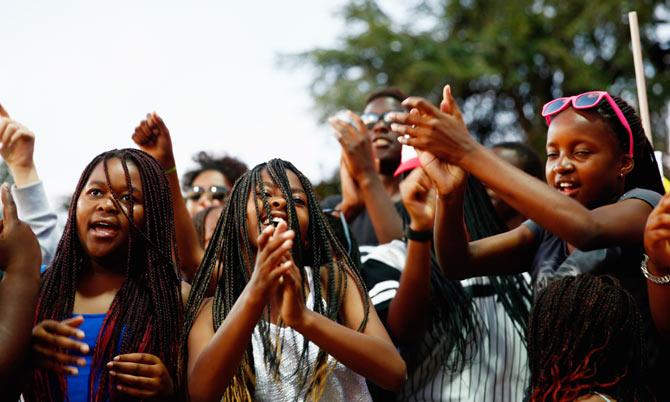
[603, 183]
[109, 310]
[290, 319]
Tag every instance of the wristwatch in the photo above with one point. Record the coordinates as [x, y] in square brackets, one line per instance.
[421, 236]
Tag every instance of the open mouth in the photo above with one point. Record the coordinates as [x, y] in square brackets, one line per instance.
[273, 220]
[568, 188]
[381, 142]
[103, 229]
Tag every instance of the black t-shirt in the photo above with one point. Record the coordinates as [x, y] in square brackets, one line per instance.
[361, 225]
[552, 260]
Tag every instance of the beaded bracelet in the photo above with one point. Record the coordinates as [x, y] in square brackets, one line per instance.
[659, 280]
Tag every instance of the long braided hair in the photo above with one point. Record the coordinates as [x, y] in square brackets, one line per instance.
[645, 173]
[585, 335]
[232, 254]
[146, 313]
[513, 291]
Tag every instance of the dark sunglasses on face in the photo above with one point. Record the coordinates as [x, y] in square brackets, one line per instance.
[213, 192]
[371, 119]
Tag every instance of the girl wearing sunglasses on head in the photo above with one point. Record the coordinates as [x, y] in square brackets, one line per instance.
[603, 183]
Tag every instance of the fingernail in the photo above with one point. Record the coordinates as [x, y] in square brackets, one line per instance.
[80, 334]
[402, 139]
[110, 365]
[118, 387]
[116, 359]
[74, 371]
[81, 362]
[84, 348]
[112, 373]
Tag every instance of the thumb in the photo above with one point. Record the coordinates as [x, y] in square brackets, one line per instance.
[448, 104]
[3, 112]
[8, 205]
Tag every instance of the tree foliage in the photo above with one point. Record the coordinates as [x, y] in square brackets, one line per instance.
[504, 59]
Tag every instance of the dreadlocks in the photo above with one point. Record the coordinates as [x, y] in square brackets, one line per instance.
[585, 336]
[232, 254]
[146, 313]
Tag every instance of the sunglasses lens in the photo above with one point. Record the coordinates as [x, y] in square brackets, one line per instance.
[586, 100]
[553, 106]
[370, 119]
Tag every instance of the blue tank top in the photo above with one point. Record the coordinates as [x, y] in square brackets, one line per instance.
[77, 385]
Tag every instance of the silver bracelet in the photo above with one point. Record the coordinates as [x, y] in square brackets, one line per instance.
[659, 280]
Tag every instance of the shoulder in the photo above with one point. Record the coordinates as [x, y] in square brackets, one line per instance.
[648, 196]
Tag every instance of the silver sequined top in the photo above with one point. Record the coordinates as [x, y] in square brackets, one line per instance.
[341, 385]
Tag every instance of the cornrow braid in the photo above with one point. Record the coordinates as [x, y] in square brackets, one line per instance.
[645, 173]
[232, 253]
[146, 313]
[585, 335]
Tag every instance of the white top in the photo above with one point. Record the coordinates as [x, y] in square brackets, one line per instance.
[342, 384]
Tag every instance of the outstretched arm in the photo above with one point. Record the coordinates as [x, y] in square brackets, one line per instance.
[153, 137]
[447, 137]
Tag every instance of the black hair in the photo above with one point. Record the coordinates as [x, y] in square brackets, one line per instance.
[231, 253]
[586, 335]
[146, 313]
[530, 161]
[390, 92]
[645, 173]
[199, 220]
[232, 168]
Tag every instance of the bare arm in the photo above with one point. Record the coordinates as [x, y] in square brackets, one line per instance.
[19, 288]
[214, 357]
[657, 246]
[369, 353]
[153, 137]
[358, 159]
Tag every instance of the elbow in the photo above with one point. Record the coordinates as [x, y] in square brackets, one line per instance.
[397, 376]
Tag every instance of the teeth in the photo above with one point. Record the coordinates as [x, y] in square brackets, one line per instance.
[565, 185]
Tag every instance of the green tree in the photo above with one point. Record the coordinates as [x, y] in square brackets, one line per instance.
[504, 59]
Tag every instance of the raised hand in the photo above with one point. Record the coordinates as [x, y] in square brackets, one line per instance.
[356, 146]
[351, 203]
[141, 375]
[657, 235]
[447, 179]
[53, 346]
[441, 131]
[19, 249]
[153, 137]
[17, 144]
[274, 247]
[418, 197]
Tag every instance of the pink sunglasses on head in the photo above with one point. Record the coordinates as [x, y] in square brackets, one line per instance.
[587, 100]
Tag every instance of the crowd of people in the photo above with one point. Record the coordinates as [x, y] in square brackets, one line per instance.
[444, 271]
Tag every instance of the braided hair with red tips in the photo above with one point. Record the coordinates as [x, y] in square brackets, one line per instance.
[584, 337]
[146, 313]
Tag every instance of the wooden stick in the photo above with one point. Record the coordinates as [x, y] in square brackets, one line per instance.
[643, 105]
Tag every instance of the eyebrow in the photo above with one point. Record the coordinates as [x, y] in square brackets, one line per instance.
[104, 184]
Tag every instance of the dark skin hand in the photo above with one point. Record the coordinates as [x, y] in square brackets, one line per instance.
[579, 146]
[20, 259]
[153, 137]
[141, 375]
[657, 247]
[357, 157]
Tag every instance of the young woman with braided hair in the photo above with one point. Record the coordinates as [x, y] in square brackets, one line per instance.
[603, 183]
[110, 301]
[290, 319]
[589, 349]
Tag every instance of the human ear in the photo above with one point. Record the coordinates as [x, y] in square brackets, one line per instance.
[627, 165]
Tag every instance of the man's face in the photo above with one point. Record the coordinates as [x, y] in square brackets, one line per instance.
[385, 143]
